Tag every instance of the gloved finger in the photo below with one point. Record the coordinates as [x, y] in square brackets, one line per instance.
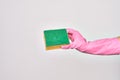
[65, 46]
[71, 37]
[71, 34]
[74, 45]
[70, 46]
[71, 31]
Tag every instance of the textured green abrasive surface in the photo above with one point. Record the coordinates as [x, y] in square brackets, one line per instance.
[56, 37]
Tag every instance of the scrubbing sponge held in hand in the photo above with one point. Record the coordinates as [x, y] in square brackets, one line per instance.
[76, 38]
[107, 46]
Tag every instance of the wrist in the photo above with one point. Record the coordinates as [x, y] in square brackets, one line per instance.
[83, 47]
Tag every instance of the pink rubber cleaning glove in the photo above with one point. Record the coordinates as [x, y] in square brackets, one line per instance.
[108, 46]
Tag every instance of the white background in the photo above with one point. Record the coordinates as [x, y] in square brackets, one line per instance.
[22, 52]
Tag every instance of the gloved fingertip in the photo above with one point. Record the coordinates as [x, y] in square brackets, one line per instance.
[69, 29]
[72, 46]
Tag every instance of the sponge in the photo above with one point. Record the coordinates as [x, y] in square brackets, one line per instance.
[54, 39]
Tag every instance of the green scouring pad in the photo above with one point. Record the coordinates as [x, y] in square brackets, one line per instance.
[55, 38]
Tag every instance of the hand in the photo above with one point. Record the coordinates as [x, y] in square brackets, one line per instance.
[77, 40]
